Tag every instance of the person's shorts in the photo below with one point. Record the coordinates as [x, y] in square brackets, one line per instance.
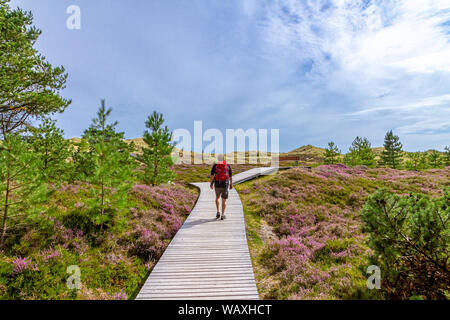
[222, 192]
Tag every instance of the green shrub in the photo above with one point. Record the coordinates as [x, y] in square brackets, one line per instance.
[410, 236]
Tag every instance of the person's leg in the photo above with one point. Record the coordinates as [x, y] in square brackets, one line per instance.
[217, 205]
[224, 206]
[217, 202]
[224, 201]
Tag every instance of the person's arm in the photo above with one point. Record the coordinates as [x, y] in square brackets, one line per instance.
[231, 178]
[213, 174]
[211, 182]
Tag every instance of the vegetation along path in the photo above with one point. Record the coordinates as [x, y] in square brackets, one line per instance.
[208, 258]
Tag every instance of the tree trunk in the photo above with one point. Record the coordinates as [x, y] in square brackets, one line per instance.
[155, 172]
[103, 205]
[155, 164]
[46, 156]
[103, 182]
[5, 214]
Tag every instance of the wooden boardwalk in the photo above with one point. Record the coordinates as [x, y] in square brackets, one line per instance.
[207, 258]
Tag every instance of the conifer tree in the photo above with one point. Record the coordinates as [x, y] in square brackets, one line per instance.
[29, 85]
[414, 161]
[83, 166]
[409, 234]
[21, 186]
[100, 130]
[447, 156]
[434, 159]
[360, 153]
[158, 153]
[392, 152]
[112, 167]
[424, 160]
[47, 141]
[332, 153]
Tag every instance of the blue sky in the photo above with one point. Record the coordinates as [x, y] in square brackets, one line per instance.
[317, 70]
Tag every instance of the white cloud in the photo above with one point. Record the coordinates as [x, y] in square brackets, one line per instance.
[414, 42]
[390, 58]
[438, 101]
[405, 35]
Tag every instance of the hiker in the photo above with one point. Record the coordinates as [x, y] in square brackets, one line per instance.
[221, 180]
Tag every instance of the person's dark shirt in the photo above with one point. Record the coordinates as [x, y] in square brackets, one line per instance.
[213, 173]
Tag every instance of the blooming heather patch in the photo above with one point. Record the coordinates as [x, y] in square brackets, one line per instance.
[120, 296]
[50, 254]
[318, 249]
[23, 264]
[113, 262]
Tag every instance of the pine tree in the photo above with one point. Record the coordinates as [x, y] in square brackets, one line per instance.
[29, 85]
[349, 159]
[47, 141]
[112, 166]
[415, 226]
[434, 159]
[332, 153]
[21, 186]
[360, 153]
[414, 161]
[99, 131]
[423, 160]
[447, 156]
[158, 154]
[83, 165]
[392, 152]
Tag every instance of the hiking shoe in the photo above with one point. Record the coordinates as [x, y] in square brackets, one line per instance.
[218, 215]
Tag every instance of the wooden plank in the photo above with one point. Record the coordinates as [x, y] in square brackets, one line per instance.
[207, 258]
[199, 276]
[205, 262]
[222, 290]
[181, 281]
[203, 296]
[200, 294]
[217, 297]
[200, 285]
[164, 268]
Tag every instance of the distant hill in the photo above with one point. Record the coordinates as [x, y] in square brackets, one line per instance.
[139, 142]
[75, 140]
[378, 150]
[307, 154]
[307, 150]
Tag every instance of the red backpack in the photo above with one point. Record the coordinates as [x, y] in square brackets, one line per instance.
[222, 172]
